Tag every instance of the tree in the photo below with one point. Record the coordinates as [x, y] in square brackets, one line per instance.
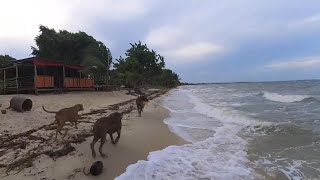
[73, 48]
[149, 62]
[169, 78]
[6, 61]
[144, 66]
[140, 64]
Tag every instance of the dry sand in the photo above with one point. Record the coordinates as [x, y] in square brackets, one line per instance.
[140, 135]
[18, 122]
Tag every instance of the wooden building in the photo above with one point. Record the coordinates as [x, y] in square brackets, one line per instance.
[39, 74]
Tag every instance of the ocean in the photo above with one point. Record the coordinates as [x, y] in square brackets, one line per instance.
[237, 131]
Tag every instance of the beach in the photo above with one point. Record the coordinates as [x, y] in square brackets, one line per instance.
[140, 135]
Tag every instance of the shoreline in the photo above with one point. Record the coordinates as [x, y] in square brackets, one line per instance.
[140, 135]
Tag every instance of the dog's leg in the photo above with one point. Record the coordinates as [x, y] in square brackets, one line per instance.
[103, 140]
[118, 137]
[65, 132]
[139, 110]
[59, 128]
[112, 140]
[95, 139]
[75, 125]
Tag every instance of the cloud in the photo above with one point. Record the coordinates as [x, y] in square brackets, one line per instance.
[304, 64]
[312, 19]
[21, 19]
[164, 36]
[110, 10]
[305, 23]
[194, 51]
[179, 45]
[235, 32]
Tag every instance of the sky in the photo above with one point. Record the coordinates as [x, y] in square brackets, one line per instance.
[203, 41]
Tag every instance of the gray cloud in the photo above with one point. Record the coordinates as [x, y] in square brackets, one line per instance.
[219, 34]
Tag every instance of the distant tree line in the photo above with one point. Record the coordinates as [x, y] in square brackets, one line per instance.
[6, 61]
[140, 66]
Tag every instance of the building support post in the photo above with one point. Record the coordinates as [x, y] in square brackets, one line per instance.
[35, 79]
[4, 82]
[17, 76]
[80, 79]
[63, 77]
[108, 74]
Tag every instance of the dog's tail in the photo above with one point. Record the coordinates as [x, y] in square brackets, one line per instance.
[83, 170]
[48, 111]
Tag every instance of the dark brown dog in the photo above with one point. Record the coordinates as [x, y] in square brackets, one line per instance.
[104, 125]
[66, 114]
[95, 169]
[140, 101]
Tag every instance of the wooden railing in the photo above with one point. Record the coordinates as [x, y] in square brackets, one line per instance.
[44, 81]
[70, 82]
[11, 83]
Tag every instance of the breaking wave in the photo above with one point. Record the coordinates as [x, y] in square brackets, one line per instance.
[286, 98]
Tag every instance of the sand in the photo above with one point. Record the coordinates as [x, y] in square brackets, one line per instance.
[140, 135]
[18, 122]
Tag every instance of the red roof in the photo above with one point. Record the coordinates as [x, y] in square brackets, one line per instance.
[46, 62]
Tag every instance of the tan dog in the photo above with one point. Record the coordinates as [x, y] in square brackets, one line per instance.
[66, 114]
[104, 125]
[140, 101]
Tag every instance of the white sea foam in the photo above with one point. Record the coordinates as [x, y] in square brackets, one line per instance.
[219, 157]
[222, 155]
[289, 167]
[284, 98]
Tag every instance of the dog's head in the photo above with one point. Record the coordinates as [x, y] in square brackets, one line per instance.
[79, 107]
[145, 98]
[117, 115]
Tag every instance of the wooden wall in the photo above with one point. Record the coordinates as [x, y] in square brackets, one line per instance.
[43, 81]
[70, 82]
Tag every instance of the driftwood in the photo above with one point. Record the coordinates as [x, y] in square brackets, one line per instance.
[12, 143]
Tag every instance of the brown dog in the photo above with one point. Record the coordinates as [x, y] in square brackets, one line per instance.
[140, 103]
[66, 114]
[104, 125]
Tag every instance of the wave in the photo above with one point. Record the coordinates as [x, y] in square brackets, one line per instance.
[224, 114]
[286, 98]
[219, 157]
[285, 128]
[310, 99]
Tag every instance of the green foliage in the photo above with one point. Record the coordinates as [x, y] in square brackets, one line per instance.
[73, 48]
[144, 66]
[116, 78]
[169, 78]
[6, 61]
[140, 66]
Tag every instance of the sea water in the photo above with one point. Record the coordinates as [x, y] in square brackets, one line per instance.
[239, 131]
